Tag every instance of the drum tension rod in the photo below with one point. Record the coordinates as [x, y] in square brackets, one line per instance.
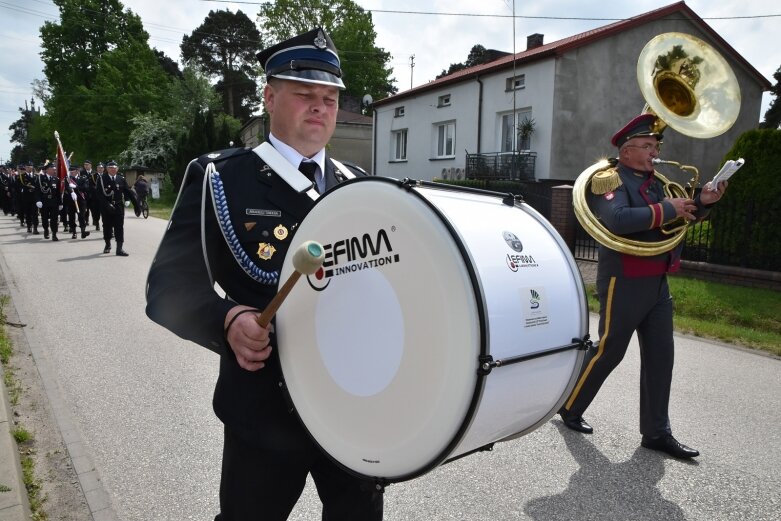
[487, 362]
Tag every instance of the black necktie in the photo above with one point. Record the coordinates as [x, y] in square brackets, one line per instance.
[308, 168]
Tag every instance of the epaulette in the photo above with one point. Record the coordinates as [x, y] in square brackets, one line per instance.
[221, 155]
[355, 169]
[605, 181]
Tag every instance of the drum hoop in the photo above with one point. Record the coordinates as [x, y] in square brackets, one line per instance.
[483, 350]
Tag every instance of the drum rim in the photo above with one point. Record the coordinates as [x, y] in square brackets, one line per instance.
[477, 393]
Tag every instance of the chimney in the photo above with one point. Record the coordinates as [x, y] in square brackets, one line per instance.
[533, 41]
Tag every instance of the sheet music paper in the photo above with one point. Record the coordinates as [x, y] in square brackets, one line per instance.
[729, 168]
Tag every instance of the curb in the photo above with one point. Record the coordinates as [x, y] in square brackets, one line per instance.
[13, 503]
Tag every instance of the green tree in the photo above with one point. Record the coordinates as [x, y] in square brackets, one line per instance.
[71, 49]
[773, 113]
[29, 132]
[365, 65]
[477, 56]
[226, 45]
[101, 74]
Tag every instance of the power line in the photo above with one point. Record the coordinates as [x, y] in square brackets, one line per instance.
[525, 17]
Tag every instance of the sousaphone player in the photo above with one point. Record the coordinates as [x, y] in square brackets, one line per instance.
[640, 219]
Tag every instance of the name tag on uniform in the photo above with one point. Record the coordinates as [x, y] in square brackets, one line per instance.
[264, 213]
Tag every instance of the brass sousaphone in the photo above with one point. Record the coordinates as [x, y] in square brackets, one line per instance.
[690, 87]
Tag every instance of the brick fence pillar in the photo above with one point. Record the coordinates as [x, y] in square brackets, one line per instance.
[562, 214]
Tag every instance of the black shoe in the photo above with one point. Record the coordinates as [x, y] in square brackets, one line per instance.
[73, 235]
[35, 231]
[46, 234]
[576, 423]
[122, 253]
[670, 445]
[29, 229]
[54, 237]
[84, 235]
[107, 249]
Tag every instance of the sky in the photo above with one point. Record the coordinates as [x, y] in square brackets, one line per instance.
[421, 45]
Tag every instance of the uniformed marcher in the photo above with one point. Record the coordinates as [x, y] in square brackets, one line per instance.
[74, 203]
[6, 185]
[633, 292]
[93, 203]
[26, 190]
[267, 455]
[49, 199]
[113, 191]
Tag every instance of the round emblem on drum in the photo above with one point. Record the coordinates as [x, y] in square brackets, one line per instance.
[513, 241]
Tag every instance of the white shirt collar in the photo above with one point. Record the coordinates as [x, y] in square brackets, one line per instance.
[294, 157]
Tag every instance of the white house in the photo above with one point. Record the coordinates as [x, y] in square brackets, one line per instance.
[578, 91]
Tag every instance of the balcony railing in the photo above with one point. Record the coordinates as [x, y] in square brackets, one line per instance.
[512, 166]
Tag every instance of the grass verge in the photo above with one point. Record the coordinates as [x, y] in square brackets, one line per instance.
[25, 440]
[749, 317]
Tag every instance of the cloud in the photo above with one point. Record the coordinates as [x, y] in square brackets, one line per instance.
[436, 41]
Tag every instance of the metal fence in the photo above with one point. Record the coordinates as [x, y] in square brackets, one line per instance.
[508, 166]
[728, 237]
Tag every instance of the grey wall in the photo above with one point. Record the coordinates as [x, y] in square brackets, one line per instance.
[597, 93]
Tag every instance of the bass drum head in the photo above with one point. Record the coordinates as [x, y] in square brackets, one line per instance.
[379, 349]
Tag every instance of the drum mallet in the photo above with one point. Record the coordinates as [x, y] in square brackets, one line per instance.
[307, 259]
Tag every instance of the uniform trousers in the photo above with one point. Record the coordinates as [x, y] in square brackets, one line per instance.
[264, 484]
[49, 217]
[627, 305]
[114, 222]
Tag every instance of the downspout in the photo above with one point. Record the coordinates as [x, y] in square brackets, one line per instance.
[479, 114]
[374, 141]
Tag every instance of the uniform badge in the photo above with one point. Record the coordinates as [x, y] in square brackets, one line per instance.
[320, 41]
[249, 226]
[609, 196]
[265, 251]
[280, 232]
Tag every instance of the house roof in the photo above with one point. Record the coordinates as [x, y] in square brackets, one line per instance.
[558, 48]
[345, 116]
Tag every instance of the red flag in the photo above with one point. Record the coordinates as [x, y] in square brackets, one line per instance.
[63, 164]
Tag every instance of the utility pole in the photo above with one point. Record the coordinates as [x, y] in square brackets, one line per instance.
[411, 69]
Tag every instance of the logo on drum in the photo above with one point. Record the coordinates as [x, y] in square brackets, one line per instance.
[513, 241]
[534, 299]
[353, 255]
[516, 262]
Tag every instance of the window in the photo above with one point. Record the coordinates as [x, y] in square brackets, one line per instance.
[446, 139]
[399, 145]
[513, 138]
[399, 112]
[516, 82]
[443, 101]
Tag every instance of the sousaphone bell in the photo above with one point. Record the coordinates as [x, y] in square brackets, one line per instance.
[690, 87]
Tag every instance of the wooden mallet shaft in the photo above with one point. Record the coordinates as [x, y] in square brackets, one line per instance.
[307, 259]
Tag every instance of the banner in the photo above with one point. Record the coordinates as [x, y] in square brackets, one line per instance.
[63, 163]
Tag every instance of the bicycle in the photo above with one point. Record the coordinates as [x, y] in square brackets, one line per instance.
[144, 208]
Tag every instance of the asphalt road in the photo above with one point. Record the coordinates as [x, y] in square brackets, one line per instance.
[133, 403]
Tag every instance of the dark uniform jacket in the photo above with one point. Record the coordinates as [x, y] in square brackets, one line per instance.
[112, 194]
[48, 191]
[67, 199]
[636, 210]
[25, 184]
[181, 297]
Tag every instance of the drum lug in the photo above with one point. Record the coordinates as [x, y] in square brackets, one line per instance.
[486, 364]
[584, 344]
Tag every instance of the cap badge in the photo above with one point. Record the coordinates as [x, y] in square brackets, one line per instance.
[265, 251]
[320, 41]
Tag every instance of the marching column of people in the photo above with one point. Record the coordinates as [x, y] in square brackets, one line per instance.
[43, 198]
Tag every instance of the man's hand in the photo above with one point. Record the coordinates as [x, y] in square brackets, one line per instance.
[685, 208]
[708, 196]
[249, 341]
